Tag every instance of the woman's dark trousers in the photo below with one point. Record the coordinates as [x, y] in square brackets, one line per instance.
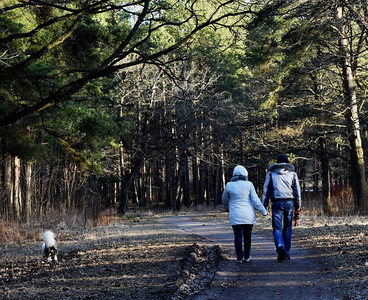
[242, 232]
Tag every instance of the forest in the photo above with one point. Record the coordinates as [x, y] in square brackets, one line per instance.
[109, 104]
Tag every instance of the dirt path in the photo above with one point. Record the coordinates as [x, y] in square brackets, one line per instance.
[264, 277]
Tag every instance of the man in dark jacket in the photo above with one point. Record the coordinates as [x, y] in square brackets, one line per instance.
[282, 187]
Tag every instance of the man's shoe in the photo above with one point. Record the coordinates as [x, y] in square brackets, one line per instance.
[248, 259]
[281, 254]
[287, 257]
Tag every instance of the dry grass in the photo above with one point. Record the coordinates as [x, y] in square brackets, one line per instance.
[17, 233]
[9, 232]
[342, 202]
[58, 221]
[134, 258]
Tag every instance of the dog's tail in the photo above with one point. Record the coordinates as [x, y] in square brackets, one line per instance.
[49, 238]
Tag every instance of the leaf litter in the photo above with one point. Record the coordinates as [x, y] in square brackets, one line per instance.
[146, 260]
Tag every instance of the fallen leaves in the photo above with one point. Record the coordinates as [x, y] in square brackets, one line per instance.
[146, 260]
[123, 261]
[343, 243]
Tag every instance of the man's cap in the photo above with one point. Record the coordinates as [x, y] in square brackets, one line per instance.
[282, 158]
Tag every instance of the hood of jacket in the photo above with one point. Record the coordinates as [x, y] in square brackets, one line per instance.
[239, 173]
[282, 168]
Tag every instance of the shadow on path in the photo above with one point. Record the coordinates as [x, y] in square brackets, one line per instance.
[263, 277]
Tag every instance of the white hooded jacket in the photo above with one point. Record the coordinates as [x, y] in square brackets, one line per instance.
[240, 197]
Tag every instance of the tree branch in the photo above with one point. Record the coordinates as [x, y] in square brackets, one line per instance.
[109, 65]
[13, 71]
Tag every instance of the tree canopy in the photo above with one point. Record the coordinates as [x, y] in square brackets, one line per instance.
[153, 102]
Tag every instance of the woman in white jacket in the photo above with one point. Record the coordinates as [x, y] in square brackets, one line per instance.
[240, 198]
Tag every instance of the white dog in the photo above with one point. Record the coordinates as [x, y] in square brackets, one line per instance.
[49, 248]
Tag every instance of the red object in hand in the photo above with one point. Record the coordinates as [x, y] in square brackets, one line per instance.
[296, 217]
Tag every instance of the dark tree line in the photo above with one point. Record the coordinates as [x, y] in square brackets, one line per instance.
[107, 104]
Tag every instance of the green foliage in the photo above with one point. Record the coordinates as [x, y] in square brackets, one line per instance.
[9, 26]
[86, 133]
[19, 142]
[87, 43]
[96, 130]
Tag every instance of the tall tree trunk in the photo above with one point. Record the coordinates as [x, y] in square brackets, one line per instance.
[169, 175]
[138, 189]
[150, 185]
[315, 179]
[186, 185]
[359, 183]
[326, 186]
[195, 179]
[159, 182]
[217, 184]
[70, 180]
[127, 184]
[208, 184]
[8, 186]
[28, 197]
[178, 194]
[201, 181]
[17, 189]
[121, 170]
[142, 186]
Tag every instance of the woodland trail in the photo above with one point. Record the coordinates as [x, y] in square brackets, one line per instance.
[263, 277]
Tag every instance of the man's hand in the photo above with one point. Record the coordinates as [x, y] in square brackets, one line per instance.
[296, 217]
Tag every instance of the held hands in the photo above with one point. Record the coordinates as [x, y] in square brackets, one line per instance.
[296, 217]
